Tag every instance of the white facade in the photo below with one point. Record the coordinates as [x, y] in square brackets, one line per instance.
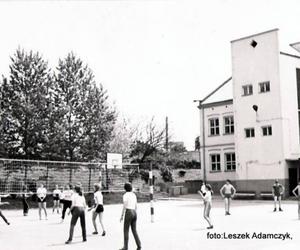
[265, 110]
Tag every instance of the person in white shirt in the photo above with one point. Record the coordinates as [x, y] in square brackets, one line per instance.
[56, 199]
[67, 194]
[78, 211]
[129, 209]
[98, 209]
[41, 196]
[227, 192]
[207, 198]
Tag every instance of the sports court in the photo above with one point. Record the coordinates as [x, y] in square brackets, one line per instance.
[178, 225]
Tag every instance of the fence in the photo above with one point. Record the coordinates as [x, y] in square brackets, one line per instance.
[14, 174]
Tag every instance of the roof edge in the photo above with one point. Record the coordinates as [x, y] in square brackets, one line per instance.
[257, 34]
[290, 55]
[218, 103]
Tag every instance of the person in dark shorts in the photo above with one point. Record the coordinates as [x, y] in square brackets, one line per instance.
[3, 203]
[98, 209]
[129, 209]
[277, 192]
[227, 192]
[296, 192]
[78, 211]
[67, 194]
[41, 196]
[25, 195]
[56, 199]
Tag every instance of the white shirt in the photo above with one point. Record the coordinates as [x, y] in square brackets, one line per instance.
[129, 200]
[68, 195]
[78, 201]
[41, 192]
[228, 188]
[56, 192]
[207, 196]
[98, 197]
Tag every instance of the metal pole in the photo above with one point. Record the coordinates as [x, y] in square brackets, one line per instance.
[203, 139]
[151, 193]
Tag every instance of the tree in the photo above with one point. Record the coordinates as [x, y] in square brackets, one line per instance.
[146, 146]
[85, 120]
[24, 106]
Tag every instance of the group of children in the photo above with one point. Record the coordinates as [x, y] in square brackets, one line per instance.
[228, 192]
[74, 200]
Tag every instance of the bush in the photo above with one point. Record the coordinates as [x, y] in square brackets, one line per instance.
[166, 174]
[144, 175]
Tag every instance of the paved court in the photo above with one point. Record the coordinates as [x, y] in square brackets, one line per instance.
[178, 226]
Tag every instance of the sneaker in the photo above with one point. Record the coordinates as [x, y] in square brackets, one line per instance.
[274, 210]
[84, 240]
[7, 223]
[68, 242]
[211, 227]
[280, 210]
[104, 233]
[95, 232]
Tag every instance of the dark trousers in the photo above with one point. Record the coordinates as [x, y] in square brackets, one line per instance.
[77, 212]
[3, 217]
[25, 206]
[130, 221]
[67, 204]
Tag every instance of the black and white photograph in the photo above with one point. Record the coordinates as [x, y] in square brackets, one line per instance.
[150, 124]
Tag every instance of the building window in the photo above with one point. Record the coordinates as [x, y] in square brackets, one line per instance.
[264, 87]
[230, 161]
[215, 162]
[267, 130]
[214, 126]
[247, 90]
[228, 125]
[249, 132]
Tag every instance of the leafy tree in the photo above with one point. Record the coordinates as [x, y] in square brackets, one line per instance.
[24, 106]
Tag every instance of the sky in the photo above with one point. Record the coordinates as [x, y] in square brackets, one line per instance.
[153, 57]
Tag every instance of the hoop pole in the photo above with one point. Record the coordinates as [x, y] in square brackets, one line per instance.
[151, 193]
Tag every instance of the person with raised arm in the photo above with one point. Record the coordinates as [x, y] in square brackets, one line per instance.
[207, 198]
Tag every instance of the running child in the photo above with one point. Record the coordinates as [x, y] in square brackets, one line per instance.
[98, 209]
[129, 209]
[78, 211]
[3, 203]
[227, 192]
[277, 192]
[207, 198]
[42, 195]
[56, 199]
[296, 192]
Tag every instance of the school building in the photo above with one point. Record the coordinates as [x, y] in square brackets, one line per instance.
[253, 138]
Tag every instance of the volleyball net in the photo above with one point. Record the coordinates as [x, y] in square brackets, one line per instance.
[15, 174]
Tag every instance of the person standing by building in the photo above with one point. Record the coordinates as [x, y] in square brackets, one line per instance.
[67, 194]
[207, 198]
[98, 209]
[56, 199]
[41, 196]
[277, 192]
[296, 192]
[227, 192]
[129, 210]
[3, 203]
[78, 211]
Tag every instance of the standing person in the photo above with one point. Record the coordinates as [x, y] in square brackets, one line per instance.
[227, 192]
[98, 209]
[56, 199]
[78, 211]
[61, 197]
[277, 192]
[42, 195]
[68, 193]
[129, 209]
[297, 188]
[24, 200]
[3, 203]
[207, 198]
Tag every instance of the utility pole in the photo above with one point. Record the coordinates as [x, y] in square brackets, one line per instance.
[167, 135]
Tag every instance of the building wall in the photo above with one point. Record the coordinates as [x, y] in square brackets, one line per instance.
[260, 157]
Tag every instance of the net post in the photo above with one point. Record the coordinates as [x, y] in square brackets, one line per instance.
[151, 193]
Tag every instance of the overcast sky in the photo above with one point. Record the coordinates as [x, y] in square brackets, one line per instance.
[153, 57]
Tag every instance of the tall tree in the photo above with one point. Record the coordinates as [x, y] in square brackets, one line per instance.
[24, 106]
[85, 120]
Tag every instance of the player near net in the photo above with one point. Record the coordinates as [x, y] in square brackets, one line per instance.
[3, 203]
[56, 199]
[41, 196]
